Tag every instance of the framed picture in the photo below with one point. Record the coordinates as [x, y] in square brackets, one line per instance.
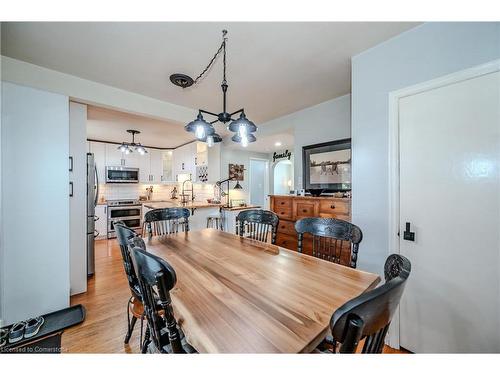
[327, 166]
[236, 172]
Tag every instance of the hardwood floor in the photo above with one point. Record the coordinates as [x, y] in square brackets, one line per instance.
[105, 326]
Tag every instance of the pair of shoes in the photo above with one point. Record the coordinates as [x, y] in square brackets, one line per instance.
[4, 333]
[25, 329]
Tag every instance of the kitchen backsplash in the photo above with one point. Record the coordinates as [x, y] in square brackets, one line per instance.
[160, 192]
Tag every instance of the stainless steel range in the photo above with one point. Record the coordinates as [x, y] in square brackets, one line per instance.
[127, 210]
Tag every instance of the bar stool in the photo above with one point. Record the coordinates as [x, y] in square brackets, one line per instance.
[215, 221]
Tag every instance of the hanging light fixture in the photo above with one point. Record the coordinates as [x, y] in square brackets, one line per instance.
[203, 130]
[128, 148]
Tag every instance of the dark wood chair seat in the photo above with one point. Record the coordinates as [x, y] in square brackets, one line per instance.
[333, 240]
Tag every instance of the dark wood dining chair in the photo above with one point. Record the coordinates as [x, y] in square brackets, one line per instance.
[156, 279]
[256, 224]
[369, 315]
[334, 240]
[163, 221]
[128, 238]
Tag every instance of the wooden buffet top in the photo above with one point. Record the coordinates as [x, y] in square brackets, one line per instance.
[236, 295]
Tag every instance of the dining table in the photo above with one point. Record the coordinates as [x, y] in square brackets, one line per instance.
[238, 295]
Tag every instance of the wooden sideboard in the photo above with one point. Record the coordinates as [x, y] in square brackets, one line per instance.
[290, 208]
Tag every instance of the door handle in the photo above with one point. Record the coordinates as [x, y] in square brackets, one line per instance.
[407, 234]
[71, 189]
[71, 163]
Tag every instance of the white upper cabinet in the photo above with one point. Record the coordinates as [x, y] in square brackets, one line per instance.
[156, 165]
[143, 163]
[167, 166]
[202, 162]
[114, 157]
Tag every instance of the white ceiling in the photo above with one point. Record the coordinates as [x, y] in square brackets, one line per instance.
[108, 125]
[266, 143]
[273, 68]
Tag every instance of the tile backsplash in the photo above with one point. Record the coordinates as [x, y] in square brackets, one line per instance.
[160, 191]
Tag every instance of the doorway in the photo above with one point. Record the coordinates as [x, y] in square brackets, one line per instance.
[259, 182]
[445, 187]
[282, 177]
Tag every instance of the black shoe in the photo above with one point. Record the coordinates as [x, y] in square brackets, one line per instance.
[4, 333]
[16, 332]
[32, 327]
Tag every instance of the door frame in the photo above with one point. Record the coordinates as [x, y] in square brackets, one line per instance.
[266, 182]
[393, 158]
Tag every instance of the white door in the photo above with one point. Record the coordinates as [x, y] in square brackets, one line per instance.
[258, 182]
[450, 194]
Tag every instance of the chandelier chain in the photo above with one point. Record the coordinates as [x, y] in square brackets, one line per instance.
[221, 48]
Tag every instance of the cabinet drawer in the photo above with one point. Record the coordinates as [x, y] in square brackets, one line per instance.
[287, 241]
[328, 208]
[287, 227]
[282, 203]
[283, 212]
[305, 208]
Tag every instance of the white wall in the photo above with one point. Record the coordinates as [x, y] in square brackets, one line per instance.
[34, 273]
[90, 92]
[418, 55]
[328, 121]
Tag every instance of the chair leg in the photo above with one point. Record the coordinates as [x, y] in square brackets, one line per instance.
[145, 344]
[130, 329]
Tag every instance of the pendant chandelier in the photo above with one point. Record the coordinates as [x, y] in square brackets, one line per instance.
[204, 130]
[128, 148]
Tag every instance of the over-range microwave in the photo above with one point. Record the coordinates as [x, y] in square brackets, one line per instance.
[122, 175]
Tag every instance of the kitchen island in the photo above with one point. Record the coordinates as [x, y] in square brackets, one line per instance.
[200, 211]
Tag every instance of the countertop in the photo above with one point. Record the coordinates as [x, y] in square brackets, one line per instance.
[239, 208]
[167, 204]
[308, 196]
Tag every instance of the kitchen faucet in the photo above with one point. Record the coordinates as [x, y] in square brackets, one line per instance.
[184, 191]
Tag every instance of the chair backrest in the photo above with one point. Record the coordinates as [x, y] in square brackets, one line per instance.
[157, 278]
[166, 221]
[334, 240]
[257, 224]
[369, 315]
[127, 238]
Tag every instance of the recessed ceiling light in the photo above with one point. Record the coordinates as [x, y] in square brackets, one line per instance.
[277, 144]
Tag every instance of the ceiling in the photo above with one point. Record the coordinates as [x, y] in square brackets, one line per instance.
[266, 143]
[108, 125]
[273, 68]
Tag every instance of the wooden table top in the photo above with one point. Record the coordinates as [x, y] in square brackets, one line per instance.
[236, 295]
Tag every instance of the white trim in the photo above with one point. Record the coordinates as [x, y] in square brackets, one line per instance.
[393, 157]
[266, 182]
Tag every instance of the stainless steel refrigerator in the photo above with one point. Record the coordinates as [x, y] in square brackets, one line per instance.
[92, 194]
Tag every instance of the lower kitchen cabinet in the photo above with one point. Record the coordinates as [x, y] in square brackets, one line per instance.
[101, 224]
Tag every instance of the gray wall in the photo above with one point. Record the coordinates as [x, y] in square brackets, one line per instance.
[238, 156]
[418, 55]
[327, 121]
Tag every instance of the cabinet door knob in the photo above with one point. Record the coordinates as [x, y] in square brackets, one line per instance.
[332, 206]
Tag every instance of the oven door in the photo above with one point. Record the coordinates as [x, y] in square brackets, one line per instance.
[121, 212]
[122, 175]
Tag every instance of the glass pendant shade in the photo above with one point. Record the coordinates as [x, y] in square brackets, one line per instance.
[241, 123]
[200, 127]
[249, 138]
[212, 139]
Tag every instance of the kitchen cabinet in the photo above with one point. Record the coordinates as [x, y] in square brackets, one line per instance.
[114, 157]
[167, 166]
[202, 162]
[156, 165]
[143, 163]
[99, 151]
[184, 159]
[101, 224]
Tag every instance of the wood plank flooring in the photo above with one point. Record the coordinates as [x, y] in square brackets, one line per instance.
[106, 299]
